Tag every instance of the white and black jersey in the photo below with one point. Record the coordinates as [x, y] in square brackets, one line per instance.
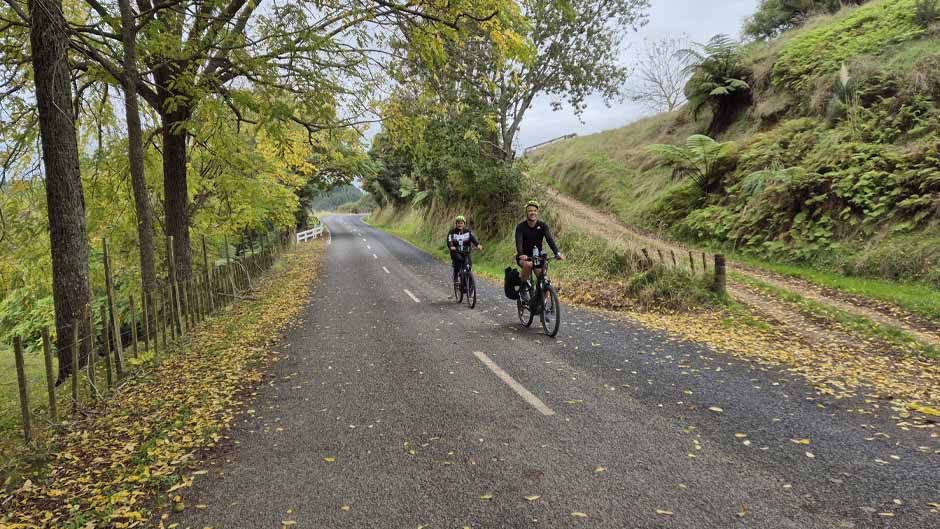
[462, 239]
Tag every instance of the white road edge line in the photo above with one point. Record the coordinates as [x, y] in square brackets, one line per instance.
[386, 270]
[526, 395]
[412, 296]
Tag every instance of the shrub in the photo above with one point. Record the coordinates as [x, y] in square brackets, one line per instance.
[776, 16]
[718, 81]
[926, 12]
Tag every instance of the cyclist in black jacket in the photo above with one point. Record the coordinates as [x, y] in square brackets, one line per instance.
[459, 241]
[530, 235]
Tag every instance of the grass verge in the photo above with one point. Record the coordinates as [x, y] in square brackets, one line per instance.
[105, 467]
[920, 299]
[834, 316]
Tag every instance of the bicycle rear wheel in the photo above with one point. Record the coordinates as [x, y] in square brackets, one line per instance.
[471, 290]
[551, 311]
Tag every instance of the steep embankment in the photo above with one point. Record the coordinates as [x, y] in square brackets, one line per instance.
[835, 168]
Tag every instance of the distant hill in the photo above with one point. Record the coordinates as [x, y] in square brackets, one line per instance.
[331, 200]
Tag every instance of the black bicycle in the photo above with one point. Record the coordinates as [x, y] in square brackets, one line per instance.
[543, 301]
[466, 286]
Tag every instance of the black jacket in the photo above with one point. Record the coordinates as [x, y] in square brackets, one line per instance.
[529, 237]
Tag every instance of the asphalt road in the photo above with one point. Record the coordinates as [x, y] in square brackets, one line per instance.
[439, 416]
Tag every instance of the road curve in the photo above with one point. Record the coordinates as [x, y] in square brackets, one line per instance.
[392, 407]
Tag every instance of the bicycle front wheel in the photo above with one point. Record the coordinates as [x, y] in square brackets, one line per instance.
[471, 291]
[525, 315]
[551, 311]
[458, 288]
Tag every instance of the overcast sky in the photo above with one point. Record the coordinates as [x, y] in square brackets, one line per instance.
[699, 19]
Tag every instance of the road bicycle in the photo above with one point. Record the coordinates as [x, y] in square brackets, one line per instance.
[466, 286]
[542, 301]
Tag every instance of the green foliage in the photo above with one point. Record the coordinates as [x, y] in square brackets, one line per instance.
[773, 17]
[870, 29]
[702, 160]
[718, 81]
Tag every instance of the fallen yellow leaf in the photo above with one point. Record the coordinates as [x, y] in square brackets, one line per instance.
[800, 441]
[532, 498]
[716, 409]
[664, 513]
[344, 508]
[579, 514]
[486, 497]
[329, 459]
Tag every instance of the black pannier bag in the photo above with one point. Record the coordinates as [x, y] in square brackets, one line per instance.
[512, 283]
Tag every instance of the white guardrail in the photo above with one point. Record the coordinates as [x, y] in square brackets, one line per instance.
[315, 233]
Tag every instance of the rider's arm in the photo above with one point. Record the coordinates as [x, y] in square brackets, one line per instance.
[550, 239]
[519, 240]
[449, 244]
[473, 239]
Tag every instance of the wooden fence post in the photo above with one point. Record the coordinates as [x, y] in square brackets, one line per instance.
[174, 288]
[75, 367]
[661, 258]
[133, 309]
[24, 394]
[155, 309]
[114, 320]
[106, 338]
[92, 381]
[692, 262]
[228, 270]
[208, 279]
[146, 316]
[50, 378]
[720, 274]
[704, 264]
[649, 260]
[675, 265]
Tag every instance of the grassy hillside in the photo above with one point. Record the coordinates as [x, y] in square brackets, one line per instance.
[836, 160]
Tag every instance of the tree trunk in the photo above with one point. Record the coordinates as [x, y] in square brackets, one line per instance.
[176, 196]
[64, 197]
[135, 150]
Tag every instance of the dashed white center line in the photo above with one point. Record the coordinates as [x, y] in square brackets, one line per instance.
[364, 239]
[375, 256]
[526, 395]
[412, 296]
[386, 270]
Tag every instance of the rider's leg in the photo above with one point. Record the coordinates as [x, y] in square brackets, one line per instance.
[455, 264]
[526, 270]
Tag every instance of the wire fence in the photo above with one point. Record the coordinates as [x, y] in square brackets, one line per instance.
[109, 341]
